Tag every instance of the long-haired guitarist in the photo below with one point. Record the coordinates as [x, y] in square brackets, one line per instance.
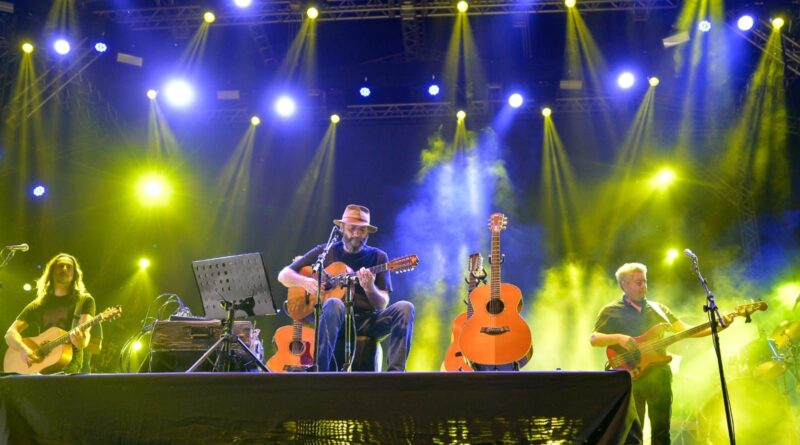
[61, 301]
[374, 316]
[632, 316]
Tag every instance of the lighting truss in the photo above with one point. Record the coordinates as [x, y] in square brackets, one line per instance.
[282, 11]
[758, 36]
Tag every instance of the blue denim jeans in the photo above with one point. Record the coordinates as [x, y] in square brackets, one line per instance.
[395, 322]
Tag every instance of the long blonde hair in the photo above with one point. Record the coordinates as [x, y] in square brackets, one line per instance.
[44, 284]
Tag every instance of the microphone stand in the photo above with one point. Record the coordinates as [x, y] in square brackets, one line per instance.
[716, 319]
[319, 269]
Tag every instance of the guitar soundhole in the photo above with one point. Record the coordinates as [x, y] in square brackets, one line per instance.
[296, 347]
[495, 306]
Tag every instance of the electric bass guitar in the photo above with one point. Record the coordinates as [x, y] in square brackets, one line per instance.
[295, 346]
[300, 304]
[53, 348]
[453, 359]
[650, 346]
[496, 333]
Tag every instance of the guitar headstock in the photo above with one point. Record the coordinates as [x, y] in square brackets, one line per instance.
[403, 264]
[110, 313]
[475, 264]
[744, 310]
[497, 222]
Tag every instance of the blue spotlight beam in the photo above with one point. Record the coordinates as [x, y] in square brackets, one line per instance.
[261, 12]
[758, 36]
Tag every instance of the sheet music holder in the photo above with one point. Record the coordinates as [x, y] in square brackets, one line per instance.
[232, 286]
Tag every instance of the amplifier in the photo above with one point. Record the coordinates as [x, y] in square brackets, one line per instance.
[196, 335]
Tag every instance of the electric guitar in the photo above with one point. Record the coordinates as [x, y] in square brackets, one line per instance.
[295, 352]
[53, 348]
[496, 333]
[300, 304]
[650, 346]
[453, 359]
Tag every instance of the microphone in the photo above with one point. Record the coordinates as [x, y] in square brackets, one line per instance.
[690, 254]
[18, 247]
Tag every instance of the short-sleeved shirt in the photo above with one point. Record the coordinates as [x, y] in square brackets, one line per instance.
[367, 257]
[59, 312]
[620, 317]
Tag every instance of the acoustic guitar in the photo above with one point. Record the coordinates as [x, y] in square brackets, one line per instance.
[496, 333]
[295, 346]
[335, 278]
[53, 348]
[453, 359]
[650, 346]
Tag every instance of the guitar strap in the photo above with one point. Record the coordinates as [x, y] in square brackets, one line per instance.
[657, 309]
[76, 316]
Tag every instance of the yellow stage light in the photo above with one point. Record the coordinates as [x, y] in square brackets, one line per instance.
[664, 178]
[462, 6]
[151, 94]
[546, 111]
[153, 189]
[569, 3]
[654, 81]
[27, 47]
[144, 263]
[672, 254]
[461, 115]
[255, 121]
[209, 17]
[335, 118]
[312, 13]
[27, 287]
[777, 23]
[136, 346]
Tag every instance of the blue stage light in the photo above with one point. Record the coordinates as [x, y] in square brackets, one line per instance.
[39, 191]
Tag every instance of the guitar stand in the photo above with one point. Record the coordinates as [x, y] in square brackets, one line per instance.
[223, 346]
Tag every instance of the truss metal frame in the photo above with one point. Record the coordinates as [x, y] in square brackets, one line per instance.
[287, 11]
[758, 36]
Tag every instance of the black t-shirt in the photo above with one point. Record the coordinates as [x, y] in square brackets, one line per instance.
[58, 312]
[367, 257]
[620, 317]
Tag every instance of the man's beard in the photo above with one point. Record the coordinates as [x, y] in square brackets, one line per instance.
[355, 244]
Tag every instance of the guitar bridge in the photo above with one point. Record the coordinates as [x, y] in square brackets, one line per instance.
[495, 331]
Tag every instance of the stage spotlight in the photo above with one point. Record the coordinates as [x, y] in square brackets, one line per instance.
[136, 346]
[285, 106]
[626, 80]
[179, 93]
[27, 47]
[209, 17]
[745, 22]
[39, 191]
[515, 100]
[777, 23]
[151, 94]
[364, 91]
[27, 287]
[672, 255]
[547, 111]
[312, 13]
[433, 90]
[61, 46]
[144, 263]
[100, 47]
[704, 26]
[462, 6]
[153, 189]
[461, 115]
[242, 3]
[664, 178]
[654, 81]
[255, 121]
[569, 3]
[335, 118]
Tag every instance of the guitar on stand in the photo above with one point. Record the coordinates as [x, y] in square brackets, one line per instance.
[650, 346]
[454, 360]
[53, 348]
[295, 349]
[496, 334]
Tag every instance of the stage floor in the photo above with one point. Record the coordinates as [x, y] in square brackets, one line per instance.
[325, 408]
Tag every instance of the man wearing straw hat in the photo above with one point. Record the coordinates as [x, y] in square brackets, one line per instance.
[374, 316]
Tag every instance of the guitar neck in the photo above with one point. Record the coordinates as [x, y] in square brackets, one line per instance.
[65, 338]
[496, 260]
[664, 342]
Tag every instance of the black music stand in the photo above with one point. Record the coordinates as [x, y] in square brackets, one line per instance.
[229, 285]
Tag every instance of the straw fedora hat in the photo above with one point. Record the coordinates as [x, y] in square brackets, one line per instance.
[356, 215]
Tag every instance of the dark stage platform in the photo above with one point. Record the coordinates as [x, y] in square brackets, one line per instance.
[380, 408]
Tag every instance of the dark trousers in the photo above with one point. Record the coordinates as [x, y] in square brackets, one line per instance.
[654, 389]
[395, 322]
